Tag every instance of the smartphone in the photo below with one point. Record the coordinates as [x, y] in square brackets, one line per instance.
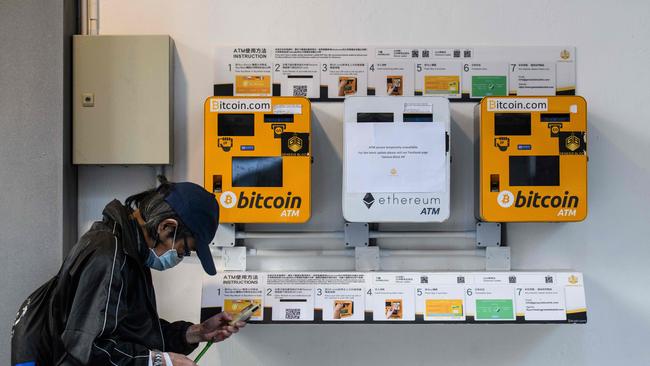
[246, 313]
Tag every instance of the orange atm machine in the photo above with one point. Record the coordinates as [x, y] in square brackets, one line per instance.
[258, 158]
[531, 156]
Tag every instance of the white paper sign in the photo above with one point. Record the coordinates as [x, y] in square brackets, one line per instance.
[385, 158]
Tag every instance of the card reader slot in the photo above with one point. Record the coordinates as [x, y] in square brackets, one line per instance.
[418, 117]
[512, 124]
[555, 117]
[375, 117]
[278, 118]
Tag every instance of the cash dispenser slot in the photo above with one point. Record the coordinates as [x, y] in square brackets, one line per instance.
[365, 117]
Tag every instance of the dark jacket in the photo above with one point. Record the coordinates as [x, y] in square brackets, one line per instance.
[100, 309]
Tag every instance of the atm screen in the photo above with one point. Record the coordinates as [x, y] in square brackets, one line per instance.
[257, 171]
[535, 170]
[236, 124]
[512, 124]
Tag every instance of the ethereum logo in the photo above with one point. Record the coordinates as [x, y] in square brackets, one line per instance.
[368, 199]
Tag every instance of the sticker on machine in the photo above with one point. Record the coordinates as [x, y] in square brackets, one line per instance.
[295, 144]
[572, 143]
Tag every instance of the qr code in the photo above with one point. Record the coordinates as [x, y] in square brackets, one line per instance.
[460, 279]
[300, 90]
[424, 279]
[292, 314]
[549, 279]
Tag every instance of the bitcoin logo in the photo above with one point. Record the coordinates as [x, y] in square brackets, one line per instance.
[228, 199]
[505, 199]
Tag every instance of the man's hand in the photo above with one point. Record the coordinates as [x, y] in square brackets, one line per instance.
[215, 329]
[180, 360]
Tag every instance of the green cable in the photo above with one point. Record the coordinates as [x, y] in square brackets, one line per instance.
[203, 351]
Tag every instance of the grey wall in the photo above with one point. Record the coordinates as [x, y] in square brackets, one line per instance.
[37, 181]
[610, 247]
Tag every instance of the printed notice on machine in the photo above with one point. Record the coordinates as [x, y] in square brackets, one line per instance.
[384, 158]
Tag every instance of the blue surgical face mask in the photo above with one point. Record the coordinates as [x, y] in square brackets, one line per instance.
[168, 260]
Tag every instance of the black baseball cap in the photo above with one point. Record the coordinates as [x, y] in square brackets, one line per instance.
[199, 211]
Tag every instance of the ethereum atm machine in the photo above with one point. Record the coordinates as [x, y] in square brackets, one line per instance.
[396, 165]
[532, 159]
[258, 158]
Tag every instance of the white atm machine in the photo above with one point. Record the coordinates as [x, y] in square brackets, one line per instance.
[396, 163]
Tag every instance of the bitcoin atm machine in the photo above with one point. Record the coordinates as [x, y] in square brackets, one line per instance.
[396, 164]
[258, 158]
[532, 159]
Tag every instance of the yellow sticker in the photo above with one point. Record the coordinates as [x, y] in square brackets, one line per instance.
[436, 84]
[253, 84]
[235, 306]
[444, 307]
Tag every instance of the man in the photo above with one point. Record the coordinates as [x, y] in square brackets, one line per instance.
[100, 309]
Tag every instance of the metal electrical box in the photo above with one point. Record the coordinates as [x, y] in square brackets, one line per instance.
[258, 158]
[532, 159]
[122, 99]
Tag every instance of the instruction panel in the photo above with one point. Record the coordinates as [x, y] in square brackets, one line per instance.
[331, 73]
[387, 297]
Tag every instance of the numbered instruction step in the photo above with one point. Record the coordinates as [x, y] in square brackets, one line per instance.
[323, 297]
